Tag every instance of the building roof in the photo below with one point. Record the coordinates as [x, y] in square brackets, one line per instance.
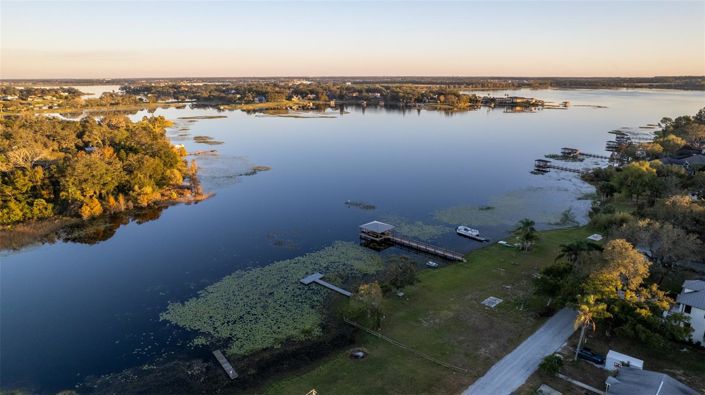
[624, 358]
[630, 381]
[695, 285]
[696, 160]
[695, 299]
[691, 160]
[376, 227]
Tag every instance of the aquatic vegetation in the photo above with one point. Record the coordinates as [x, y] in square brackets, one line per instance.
[417, 230]
[567, 218]
[216, 170]
[284, 239]
[206, 140]
[360, 204]
[263, 307]
[204, 117]
[544, 204]
[299, 115]
[256, 169]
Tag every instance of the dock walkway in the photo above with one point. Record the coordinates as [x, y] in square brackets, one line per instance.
[316, 278]
[427, 248]
[379, 232]
[225, 364]
[543, 166]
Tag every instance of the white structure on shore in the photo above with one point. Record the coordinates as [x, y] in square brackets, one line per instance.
[691, 302]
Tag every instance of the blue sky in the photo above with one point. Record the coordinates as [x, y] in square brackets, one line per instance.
[151, 39]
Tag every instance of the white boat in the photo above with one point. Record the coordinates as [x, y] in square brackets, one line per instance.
[469, 232]
[431, 264]
[465, 231]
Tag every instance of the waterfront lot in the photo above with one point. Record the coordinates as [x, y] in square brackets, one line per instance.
[442, 316]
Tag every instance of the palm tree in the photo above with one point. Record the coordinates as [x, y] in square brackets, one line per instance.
[573, 251]
[588, 311]
[526, 233]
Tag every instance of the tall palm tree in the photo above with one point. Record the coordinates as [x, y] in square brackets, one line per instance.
[526, 233]
[588, 311]
[573, 251]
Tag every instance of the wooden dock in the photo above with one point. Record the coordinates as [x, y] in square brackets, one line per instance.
[427, 248]
[225, 364]
[417, 245]
[544, 166]
[316, 278]
[569, 153]
[476, 238]
[379, 232]
[587, 155]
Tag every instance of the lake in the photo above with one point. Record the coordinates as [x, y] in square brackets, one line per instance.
[69, 310]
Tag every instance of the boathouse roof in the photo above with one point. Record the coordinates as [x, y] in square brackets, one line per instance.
[376, 227]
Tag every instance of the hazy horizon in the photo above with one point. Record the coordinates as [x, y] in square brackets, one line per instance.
[84, 40]
[314, 77]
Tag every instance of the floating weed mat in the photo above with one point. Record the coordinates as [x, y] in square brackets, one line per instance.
[417, 229]
[545, 205]
[204, 117]
[303, 115]
[261, 308]
[219, 171]
[362, 205]
[206, 140]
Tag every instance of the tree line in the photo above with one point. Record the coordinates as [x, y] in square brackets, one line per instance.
[653, 216]
[50, 166]
[246, 93]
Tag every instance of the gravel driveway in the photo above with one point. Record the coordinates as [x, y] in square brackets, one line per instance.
[512, 371]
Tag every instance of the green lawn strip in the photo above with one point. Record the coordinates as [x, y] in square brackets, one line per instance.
[441, 316]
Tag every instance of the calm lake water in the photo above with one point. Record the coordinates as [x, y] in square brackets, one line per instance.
[68, 310]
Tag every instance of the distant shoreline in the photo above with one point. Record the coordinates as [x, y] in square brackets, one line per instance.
[470, 82]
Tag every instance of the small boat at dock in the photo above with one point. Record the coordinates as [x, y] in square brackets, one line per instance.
[470, 233]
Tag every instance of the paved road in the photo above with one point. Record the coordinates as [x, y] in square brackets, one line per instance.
[512, 371]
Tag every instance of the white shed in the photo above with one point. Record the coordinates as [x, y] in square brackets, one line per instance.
[616, 360]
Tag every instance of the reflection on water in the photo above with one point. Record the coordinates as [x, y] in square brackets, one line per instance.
[70, 310]
[103, 228]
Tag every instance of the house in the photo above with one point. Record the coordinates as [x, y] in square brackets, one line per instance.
[689, 163]
[615, 361]
[695, 160]
[691, 302]
[631, 381]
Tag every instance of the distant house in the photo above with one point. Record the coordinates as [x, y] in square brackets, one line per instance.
[691, 302]
[695, 160]
[631, 381]
[690, 163]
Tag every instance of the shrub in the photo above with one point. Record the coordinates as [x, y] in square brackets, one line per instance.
[606, 221]
[399, 273]
[551, 365]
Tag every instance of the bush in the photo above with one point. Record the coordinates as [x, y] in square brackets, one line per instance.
[551, 365]
[399, 273]
[605, 221]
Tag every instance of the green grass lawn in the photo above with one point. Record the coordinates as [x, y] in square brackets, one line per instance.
[441, 316]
